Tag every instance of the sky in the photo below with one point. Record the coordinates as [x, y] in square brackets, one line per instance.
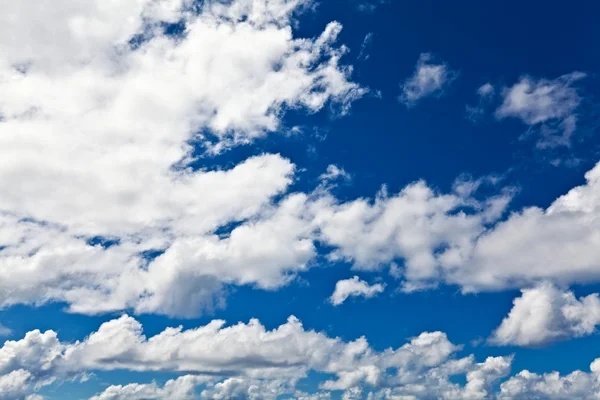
[299, 199]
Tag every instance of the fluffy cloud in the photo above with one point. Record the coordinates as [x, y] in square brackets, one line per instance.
[248, 361]
[89, 141]
[182, 388]
[428, 79]
[100, 124]
[546, 313]
[552, 386]
[455, 239]
[559, 243]
[242, 361]
[15, 385]
[550, 104]
[354, 287]
[418, 225]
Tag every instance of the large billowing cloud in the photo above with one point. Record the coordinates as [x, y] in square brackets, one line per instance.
[99, 124]
[248, 361]
[454, 239]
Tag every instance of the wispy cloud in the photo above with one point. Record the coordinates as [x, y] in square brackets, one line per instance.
[429, 79]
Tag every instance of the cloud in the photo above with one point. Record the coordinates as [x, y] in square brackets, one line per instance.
[5, 331]
[455, 239]
[334, 172]
[182, 388]
[100, 125]
[248, 361]
[354, 287]
[552, 386]
[428, 79]
[244, 360]
[545, 313]
[549, 105]
[364, 47]
[485, 94]
[418, 225]
[559, 243]
[15, 385]
[434, 237]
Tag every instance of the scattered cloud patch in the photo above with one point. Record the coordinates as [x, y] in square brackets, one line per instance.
[429, 79]
[334, 172]
[364, 47]
[548, 106]
[485, 94]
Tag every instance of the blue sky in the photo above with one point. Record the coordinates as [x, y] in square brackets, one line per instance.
[359, 199]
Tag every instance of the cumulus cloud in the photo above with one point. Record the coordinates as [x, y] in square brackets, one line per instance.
[453, 238]
[182, 388]
[418, 224]
[354, 287]
[244, 360]
[545, 313]
[559, 243]
[247, 361]
[553, 386]
[429, 79]
[87, 142]
[549, 105]
[100, 123]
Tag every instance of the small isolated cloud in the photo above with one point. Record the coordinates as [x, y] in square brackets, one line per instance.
[429, 79]
[5, 331]
[333, 173]
[485, 94]
[549, 106]
[368, 6]
[545, 314]
[354, 288]
[364, 47]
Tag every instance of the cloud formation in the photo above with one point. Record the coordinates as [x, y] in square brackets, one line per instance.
[544, 314]
[429, 79]
[548, 105]
[354, 287]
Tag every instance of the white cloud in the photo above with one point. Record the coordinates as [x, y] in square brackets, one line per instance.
[15, 385]
[364, 47]
[354, 287]
[241, 361]
[559, 244]
[182, 388]
[5, 331]
[552, 386]
[485, 93]
[550, 104]
[250, 362]
[97, 135]
[334, 172]
[455, 239]
[87, 143]
[428, 79]
[545, 313]
[418, 225]
[487, 89]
